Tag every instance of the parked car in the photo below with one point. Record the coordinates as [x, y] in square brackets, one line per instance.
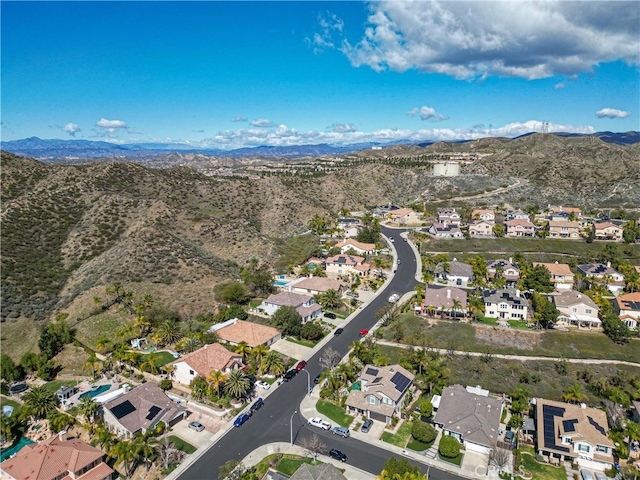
[197, 426]
[257, 405]
[338, 331]
[586, 475]
[289, 375]
[352, 294]
[337, 454]
[342, 431]
[262, 385]
[320, 423]
[405, 239]
[242, 418]
[364, 332]
[366, 426]
[391, 239]
[316, 380]
[252, 380]
[301, 364]
[330, 315]
[399, 261]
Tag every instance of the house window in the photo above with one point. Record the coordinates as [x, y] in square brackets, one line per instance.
[602, 448]
[575, 309]
[191, 372]
[588, 311]
[372, 400]
[584, 448]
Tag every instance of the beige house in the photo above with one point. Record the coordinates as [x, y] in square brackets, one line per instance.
[316, 285]
[573, 433]
[487, 215]
[577, 309]
[359, 247]
[305, 305]
[235, 331]
[561, 275]
[481, 228]
[597, 273]
[449, 216]
[381, 394]
[627, 307]
[506, 304]
[440, 299]
[607, 231]
[57, 458]
[563, 229]
[520, 228]
[204, 361]
[345, 264]
[405, 216]
[506, 268]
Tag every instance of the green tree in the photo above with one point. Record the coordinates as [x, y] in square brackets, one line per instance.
[449, 446]
[398, 466]
[426, 408]
[237, 384]
[498, 230]
[216, 379]
[546, 313]
[288, 320]
[538, 279]
[615, 328]
[423, 432]
[60, 421]
[9, 371]
[166, 384]
[311, 331]
[257, 279]
[329, 299]
[39, 402]
[54, 336]
[168, 333]
[234, 292]
[573, 394]
[320, 225]
[30, 361]
[630, 231]
[272, 363]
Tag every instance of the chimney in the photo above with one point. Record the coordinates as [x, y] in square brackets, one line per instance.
[206, 345]
[510, 259]
[608, 264]
[62, 435]
[448, 293]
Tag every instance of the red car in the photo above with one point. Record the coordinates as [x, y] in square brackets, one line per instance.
[301, 364]
[364, 332]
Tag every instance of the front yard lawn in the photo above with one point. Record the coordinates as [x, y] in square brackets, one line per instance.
[458, 460]
[182, 445]
[399, 439]
[56, 384]
[288, 466]
[304, 343]
[159, 358]
[419, 446]
[541, 471]
[334, 412]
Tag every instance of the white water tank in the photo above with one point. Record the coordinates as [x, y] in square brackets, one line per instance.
[446, 169]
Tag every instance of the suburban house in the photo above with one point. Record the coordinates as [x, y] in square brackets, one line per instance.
[627, 307]
[561, 275]
[487, 215]
[519, 227]
[573, 433]
[563, 229]
[445, 230]
[405, 216]
[449, 216]
[472, 418]
[506, 304]
[140, 409]
[563, 213]
[516, 215]
[323, 471]
[57, 458]
[204, 361]
[305, 305]
[235, 331]
[349, 226]
[607, 230]
[454, 273]
[358, 247]
[381, 393]
[440, 299]
[597, 273]
[481, 228]
[316, 285]
[345, 264]
[506, 269]
[577, 309]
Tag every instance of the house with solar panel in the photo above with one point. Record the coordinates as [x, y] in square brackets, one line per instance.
[627, 307]
[140, 409]
[573, 433]
[379, 392]
[599, 274]
[506, 304]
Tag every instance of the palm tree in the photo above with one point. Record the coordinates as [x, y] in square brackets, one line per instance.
[574, 394]
[125, 332]
[632, 430]
[124, 452]
[456, 306]
[331, 299]
[150, 364]
[146, 450]
[258, 352]
[168, 333]
[103, 436]
[39, 402]
[237, 384]
[431, 310]
[216, 379]
[92, 364]
[243, 349]
[190, 343]
[103, 344]
[272, 363]
[88, 408]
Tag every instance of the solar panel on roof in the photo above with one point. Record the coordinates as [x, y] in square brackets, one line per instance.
[596, 425]
[153, 411]
[400, 381]
[569, 425]
[548, 431]
[371, 371]
[123, 409]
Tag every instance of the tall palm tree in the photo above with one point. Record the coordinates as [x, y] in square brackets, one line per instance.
[104, 437]
[243, 349]
[573, 394]
[456, 307]
[89, 409]
[331, 299]
[237, 384]
[103, 344]
[272, 363]
[150, 364]
[92, 365]
[39, 402]
[258, 352]
[168, 333]
[125, 332]
[216, 379]
[190, 343]
[124, 452]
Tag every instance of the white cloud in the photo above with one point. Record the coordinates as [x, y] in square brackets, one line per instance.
[329, 24]
[342, 127]
[262, 123]
[467, 39]
[71, 129]
[111, 125]
[239, 119]
[427, 113]
[558, 86]
[612, 113]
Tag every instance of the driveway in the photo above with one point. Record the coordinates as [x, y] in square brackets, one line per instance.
[291, 349]
[198, 439]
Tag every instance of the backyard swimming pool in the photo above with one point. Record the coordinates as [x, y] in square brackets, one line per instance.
[280, 283]
[95, 391]
[13, 449]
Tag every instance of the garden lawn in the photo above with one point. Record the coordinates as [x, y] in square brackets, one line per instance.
[542, 471]
[160, 358]
[16, 406]
[304, 343]
[182, 445]
[288, 466]
[56, 384]
[419, 446]
[334, 412]
[399, 439]
[457, 461]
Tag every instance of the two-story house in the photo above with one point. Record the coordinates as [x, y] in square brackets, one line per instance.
[561, 275]
[607, 230]
[445, 230]
[443, 300]
[316, 285]
[305, 305]
[204, 361]
[627, 307]
[345, 264]
[563, 213]
[481, 229]
[506, 304]
[597, 273]
[57, 458]
[358, 247]
[454, 273]
[519, 227]
[516, 215]
[488, 215]
[381, 392]
[505, 269]
[577, 309]
[348, 227]
[449, 216]
[405, 216]
[573, 433]
[563, 229]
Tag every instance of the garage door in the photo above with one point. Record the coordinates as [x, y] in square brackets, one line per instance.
[378, 416]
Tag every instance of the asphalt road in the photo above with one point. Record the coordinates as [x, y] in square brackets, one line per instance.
[272, 422]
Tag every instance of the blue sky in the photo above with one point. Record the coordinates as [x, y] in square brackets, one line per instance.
[233, 74]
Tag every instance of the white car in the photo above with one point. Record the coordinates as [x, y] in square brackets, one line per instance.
[320, 423]
[263, 385]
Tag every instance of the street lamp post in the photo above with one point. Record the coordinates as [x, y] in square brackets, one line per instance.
[308, 381]
[291, 425]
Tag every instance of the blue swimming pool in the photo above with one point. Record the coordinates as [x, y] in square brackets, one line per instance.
[95, 391]
[13, 449]
[280, 283]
